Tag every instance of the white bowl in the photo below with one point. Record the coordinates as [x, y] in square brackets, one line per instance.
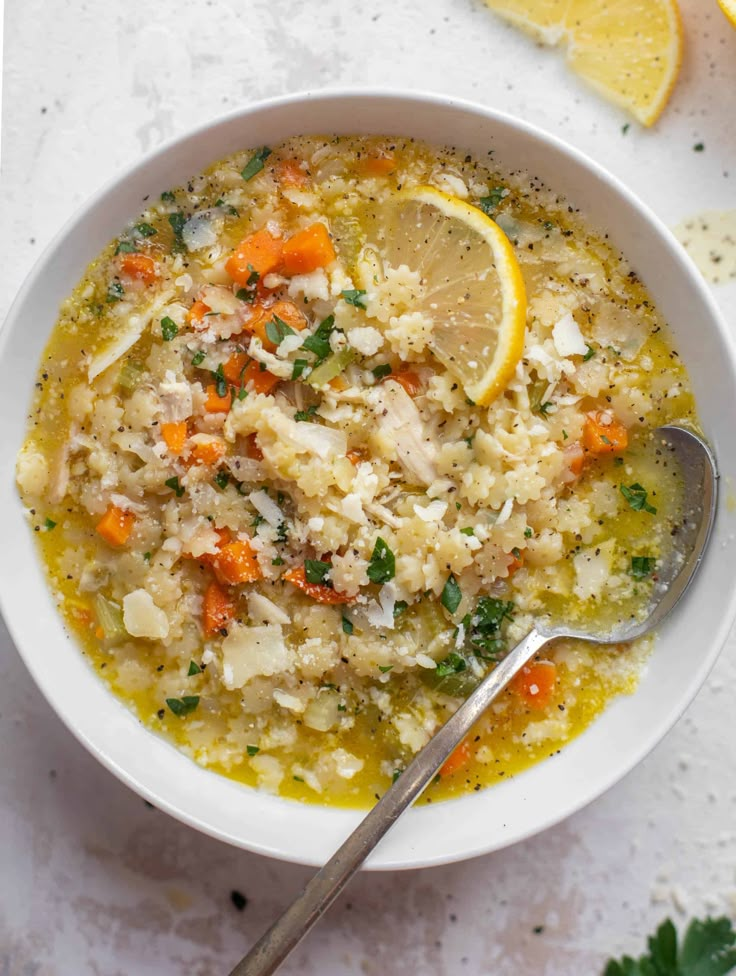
[481, 822]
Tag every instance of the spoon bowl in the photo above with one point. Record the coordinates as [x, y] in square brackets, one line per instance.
[699, 480]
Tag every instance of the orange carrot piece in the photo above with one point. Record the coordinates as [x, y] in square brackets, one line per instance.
[260, 252]
[218, 609]
[289, 173]
[286, 311]
[237, 563]
[139, 266]
[196, 314]
[232, 370]
[223, 537]
[116, 525]
[317, 591]
[207, 452]
[535, 683]
[338, 383]
[175, 435]
[575, 457]
[252, 449]
[604, 438]
[216, 403]
[380, 165]
[355, 456]
[409, 380]
[517, 561]
[459, 757]
[258, 379]
[308, 250]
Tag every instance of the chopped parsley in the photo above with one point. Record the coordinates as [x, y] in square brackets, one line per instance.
[347, 625]
[145, 230]
[198, 358]
[589, 354]
[126, 247]
[298, 368]
[173, 483]
[452, 664]
[319, 341]
[396, 774]
[451, 595]
[169, 328]
[306, 415]
[282, 532]
[315, 571]
[636, 496]
[277, 330]
[278, 561]
[382, 566]
[354, 296]
[399, 607]
[167, 196]
[255, 163]
[194, 668]
[115, 291]
[699, 147]
[488, 204]
[385, 668]
[49, 524]
[184, 705]
[147, 556]
[468, 530]
[544, 408]
[222, 479]
[484, 627]
[384, 369]
[528, 532]
[642, 567]
[177, 221]
[707, 949]
[218, 376]
[252, 750]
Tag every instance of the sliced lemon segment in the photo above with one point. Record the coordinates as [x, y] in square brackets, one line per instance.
[729, 9]
[471, 287]
[628, 50]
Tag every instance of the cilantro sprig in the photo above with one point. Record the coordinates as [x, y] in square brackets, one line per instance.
[636, 496]
[382, 565]
[708, 948]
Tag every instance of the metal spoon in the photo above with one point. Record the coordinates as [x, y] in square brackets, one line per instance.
[699, 475]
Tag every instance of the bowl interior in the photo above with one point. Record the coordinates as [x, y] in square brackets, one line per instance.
[687, 645]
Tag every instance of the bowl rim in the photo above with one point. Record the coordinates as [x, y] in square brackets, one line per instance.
[135, 170]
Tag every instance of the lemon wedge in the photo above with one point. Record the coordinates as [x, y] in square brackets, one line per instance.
[628, 50]
[471, 287]
[729, 9]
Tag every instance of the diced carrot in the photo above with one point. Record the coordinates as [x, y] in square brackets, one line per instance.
[99, 633]
[207, 451]
[535, 683]
[218, 609]
[196, 314]
[237, 563]
[139, 266]
[355, 456]
[216, 403]
[290, 173]
[223, 537]
[317, 591]
[175, 435]
[252, 449]
[409, 380]
[258, 379]
[603, 434]
[458, 758]
[260, 252]
[308, 250]
[575, 457]
[517, 561]
[232, 370]
[286, 311]
[116, 525]
[380, 165]
[338, 383]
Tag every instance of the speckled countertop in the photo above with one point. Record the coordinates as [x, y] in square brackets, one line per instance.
[95, 883]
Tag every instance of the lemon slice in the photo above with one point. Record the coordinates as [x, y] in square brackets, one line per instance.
[472, 289]
[628, 50]
[729, 9]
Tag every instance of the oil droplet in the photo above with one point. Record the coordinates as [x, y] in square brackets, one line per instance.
[710, 240]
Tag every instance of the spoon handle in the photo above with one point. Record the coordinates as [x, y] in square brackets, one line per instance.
[319, 893]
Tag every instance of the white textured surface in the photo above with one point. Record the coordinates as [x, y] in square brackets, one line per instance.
[93, 882]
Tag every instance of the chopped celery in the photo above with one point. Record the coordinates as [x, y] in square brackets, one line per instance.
[110, 618]
[331, 367]
[130, 376]
[454, 675]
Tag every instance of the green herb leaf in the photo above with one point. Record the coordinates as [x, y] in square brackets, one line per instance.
[252, 750]
[177, 221]
[528, 533]
[347, 625]
[297, 779]
[385, 668]
[636, 496]
[255, 163]
[173, 483]
[354, 296]
[315, 571]
[222, 479]
[451, 595]
[488, 204]
[396, 774]
[306, 416]
[115, 291]
[708, 949]
[298, 368]
[399, 607]
[147, 556]
[319, 341]
[382, 566]
[278, 561]
[169, 328]
[642, 567]
[384, 369]
[49, 524]
[484, 627]
[468, 530]
[126, 247]
[145, 230]
[198, 358]
[194, 668]
[544, 408]
[184, 705]
[218, 376]
[589, 354]
[699, 147]
[167, 196]
[452, 664]
[277, 330]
